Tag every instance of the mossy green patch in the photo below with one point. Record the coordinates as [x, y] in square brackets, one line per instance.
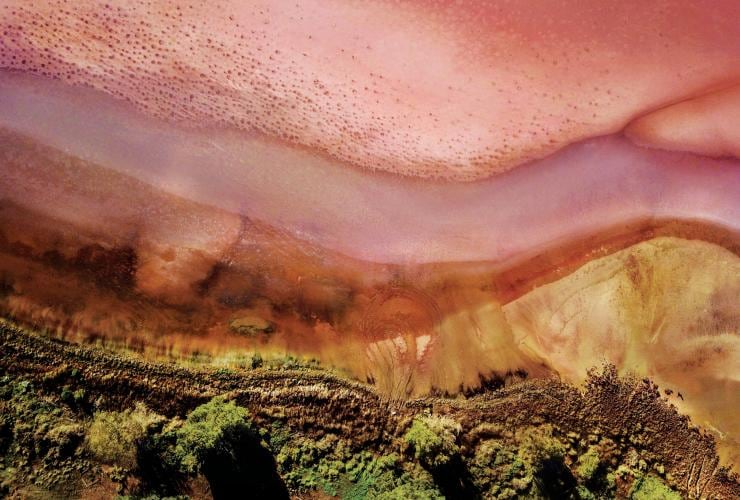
[40, 440]
[114, 437]
[651, 488]
[208, 429]
[433, 440]
[588, 464]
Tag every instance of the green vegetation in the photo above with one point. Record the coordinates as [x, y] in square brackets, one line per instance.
[538, 445]
[212, 428]
[384, 478]
[433, 440]
[115, 437]
[532, 465]
[50, 442]
[58, 435]
[330, 466]
[40, 439]
[387, 478]
[496, 470]
[651, 488]
[307, 465]
[588, 464]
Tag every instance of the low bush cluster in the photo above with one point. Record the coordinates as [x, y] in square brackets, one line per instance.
[433, 440]
[115, 437]
[51, 440]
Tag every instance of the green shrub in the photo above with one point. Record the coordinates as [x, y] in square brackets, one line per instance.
[329, 465]
[433, 440]
[651, 488]
[306, 464]
[114, 437]
[256, 360]
[210, 429]
[411, 491]
[538, 445]
[588, 464]
[384, 478]
[494, 466]
[65, 437]
[543, 468]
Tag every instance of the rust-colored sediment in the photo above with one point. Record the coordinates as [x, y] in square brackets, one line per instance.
[87, 241]
[518, 278]
[146, 245]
